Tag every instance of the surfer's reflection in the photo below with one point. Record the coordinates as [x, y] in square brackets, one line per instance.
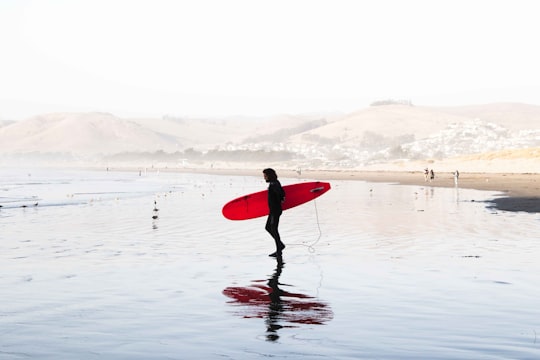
[278, 307]
[275, 307]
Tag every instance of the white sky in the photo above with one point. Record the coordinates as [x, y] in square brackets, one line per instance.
[250, 57]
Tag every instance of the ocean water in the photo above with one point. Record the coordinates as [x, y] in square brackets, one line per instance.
[371, 271]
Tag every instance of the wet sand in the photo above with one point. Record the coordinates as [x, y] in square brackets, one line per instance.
[519, 192]
[371, 271]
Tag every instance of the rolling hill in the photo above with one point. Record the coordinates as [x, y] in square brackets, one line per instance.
[371, 135]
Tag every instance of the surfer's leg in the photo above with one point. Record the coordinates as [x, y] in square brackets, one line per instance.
[272, 224]
[268, 226]
[279, 244]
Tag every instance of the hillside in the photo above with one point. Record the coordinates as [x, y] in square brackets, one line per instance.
[367, 126]
[513, 116]
[81, 134]
[374, 135]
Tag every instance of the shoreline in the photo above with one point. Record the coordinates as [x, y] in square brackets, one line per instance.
[509, 184]
[513, 191]
[518, 191]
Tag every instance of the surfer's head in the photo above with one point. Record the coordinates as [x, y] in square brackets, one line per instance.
[269, 175]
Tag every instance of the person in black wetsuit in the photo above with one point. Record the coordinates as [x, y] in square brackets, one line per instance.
[276, 195]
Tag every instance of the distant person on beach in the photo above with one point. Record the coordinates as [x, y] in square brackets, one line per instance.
[426, 174]
[276, 195]
[456, 177]
[431, 175]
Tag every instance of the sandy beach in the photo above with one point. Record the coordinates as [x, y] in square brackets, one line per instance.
[519, 192]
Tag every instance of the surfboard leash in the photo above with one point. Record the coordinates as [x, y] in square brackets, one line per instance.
[311, 247]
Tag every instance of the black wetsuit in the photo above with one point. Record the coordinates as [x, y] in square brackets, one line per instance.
[276, 195]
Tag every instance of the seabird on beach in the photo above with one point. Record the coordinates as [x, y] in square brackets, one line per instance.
[24, 206]
[155, 216]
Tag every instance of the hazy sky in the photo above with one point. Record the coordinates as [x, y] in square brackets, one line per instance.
[230, 57]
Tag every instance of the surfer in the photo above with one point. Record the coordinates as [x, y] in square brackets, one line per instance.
[276, 195]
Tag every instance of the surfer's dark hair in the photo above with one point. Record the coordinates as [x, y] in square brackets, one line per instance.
[270, 173]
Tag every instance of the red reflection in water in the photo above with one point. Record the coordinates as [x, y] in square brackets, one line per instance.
[276, 305]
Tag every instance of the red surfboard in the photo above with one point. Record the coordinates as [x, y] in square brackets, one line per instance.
[256, 204]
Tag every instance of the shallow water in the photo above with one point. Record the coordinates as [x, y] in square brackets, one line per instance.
[371, 271]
